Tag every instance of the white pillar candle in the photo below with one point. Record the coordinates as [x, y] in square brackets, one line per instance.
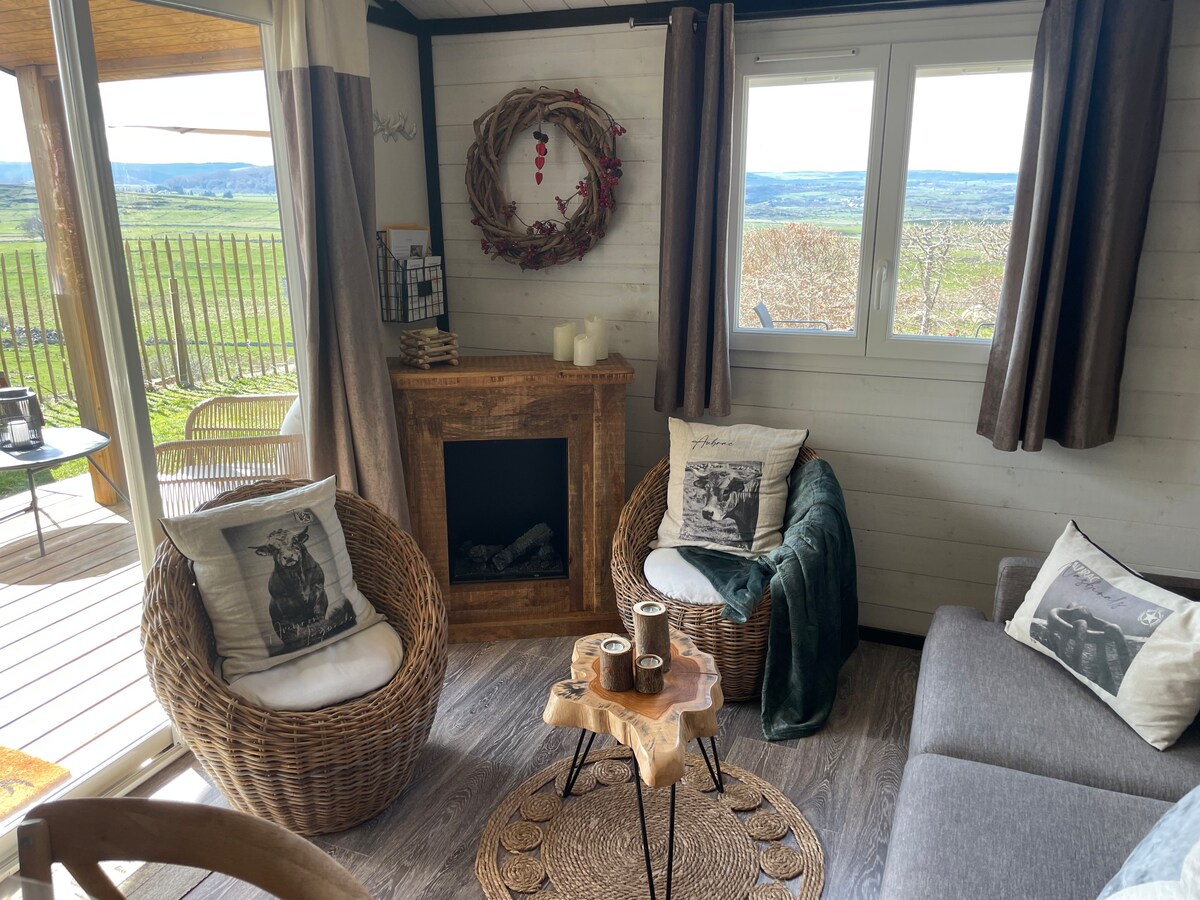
[18, 433]
[585, 350]
[597, 329]
[564, 337]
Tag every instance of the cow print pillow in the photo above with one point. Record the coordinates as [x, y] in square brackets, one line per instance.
[274, 576]
[728, 487]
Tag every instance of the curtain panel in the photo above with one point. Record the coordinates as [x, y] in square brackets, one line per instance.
[1083, 194]
[326, 89]
[697, 177]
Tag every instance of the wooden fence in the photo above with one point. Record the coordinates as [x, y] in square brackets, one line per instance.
[208, 307]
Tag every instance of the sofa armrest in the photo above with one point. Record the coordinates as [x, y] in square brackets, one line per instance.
[1012, 583]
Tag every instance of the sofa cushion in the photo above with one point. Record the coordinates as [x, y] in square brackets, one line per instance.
[1166, 864]
[984, 697]
[1135, 645]
[967, 829]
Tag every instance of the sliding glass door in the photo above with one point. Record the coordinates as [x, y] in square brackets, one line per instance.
[143, 298]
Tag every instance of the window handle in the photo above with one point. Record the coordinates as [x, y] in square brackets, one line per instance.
[881, 277]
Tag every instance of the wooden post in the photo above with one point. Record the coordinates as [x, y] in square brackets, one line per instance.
[70, 277]
[184, 364]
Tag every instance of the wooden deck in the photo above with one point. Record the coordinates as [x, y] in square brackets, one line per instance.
[73, 686]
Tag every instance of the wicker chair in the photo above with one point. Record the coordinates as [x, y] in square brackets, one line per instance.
[228, 441]
[740, 650]
[238, 415]
[312, 772]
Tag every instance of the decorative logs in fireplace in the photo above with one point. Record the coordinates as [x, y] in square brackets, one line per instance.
[532, 555]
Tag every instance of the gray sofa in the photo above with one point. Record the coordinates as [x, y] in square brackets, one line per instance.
[1020, 783]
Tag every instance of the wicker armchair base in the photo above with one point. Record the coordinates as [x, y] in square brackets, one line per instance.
[312, 772]
[740, 650]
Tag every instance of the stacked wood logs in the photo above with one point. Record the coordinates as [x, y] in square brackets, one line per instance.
[426, 347]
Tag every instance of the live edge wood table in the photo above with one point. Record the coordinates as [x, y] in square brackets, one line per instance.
[655, 727]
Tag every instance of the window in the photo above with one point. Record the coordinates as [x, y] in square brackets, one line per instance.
[877, 192]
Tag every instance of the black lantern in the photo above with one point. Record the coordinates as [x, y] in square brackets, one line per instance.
[20, 419]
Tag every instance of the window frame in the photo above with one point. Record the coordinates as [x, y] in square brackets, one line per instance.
[906, 60]
[946, 34]
[830, 60]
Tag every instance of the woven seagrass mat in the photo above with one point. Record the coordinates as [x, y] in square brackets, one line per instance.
[24, 778]
[750, 843]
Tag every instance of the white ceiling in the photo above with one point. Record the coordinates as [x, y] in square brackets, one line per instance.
[457, 9]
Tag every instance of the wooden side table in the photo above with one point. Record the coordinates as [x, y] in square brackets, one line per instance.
[655, 727]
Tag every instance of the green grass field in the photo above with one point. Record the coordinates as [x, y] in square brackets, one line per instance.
[226, 256]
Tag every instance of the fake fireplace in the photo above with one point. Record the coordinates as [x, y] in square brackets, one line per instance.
[506, 509]
[515, 467]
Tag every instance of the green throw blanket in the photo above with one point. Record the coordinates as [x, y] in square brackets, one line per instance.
[814, 602]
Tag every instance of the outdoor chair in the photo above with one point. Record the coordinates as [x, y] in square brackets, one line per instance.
[327, 769]
[228, 441]
[83, 833]
[766, 321]
[739, 650]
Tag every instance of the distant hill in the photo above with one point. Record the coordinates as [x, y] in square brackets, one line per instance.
[837, 197]
[217, 177]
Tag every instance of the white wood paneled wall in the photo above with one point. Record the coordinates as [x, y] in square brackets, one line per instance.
[934, 506]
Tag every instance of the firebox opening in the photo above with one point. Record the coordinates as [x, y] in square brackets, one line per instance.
[506, 509]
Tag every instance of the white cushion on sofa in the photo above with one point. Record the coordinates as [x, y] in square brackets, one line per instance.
[673, 576]
[1133, 644]
[332, 673]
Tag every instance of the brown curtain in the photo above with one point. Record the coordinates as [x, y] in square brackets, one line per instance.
[1091, 146]
[697, 169]
[326, 92]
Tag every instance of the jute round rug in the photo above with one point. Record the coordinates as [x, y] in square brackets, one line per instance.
[749, 843]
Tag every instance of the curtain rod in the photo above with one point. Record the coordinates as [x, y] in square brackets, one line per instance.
[635, 22]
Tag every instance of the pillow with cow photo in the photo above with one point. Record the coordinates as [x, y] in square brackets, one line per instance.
[728, 487]
[274, 576]
[1133, 644]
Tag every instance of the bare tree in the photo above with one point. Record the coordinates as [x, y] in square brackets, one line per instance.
[33, 227]
[801, 272]
[941, 287]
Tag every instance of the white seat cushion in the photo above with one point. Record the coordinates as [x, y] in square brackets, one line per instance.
[330, 674]
[673, 576]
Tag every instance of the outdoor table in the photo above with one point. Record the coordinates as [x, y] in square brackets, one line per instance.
[60, 445]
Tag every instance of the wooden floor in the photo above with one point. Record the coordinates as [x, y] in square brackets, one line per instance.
[73, 687]
[488, 737]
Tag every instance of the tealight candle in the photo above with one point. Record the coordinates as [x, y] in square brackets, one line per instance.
[597, 329]
[585, 350]
[564, 341]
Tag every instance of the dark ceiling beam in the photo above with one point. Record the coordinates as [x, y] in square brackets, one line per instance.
[393, 15]
[643, 13]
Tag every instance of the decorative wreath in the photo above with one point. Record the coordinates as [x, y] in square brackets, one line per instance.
[544, 242]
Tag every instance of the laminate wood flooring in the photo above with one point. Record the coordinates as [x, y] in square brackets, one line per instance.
[489, 736]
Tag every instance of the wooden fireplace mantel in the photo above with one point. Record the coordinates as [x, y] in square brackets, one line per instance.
[513, 398]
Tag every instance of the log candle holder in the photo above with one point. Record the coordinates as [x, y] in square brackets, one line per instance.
[651, 631]
[616, 664]
[648, 674]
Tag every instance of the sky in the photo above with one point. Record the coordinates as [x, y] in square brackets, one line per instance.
[225, 100]
[962, 123]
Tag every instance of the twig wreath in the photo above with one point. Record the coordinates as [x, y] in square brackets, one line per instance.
[544, 242]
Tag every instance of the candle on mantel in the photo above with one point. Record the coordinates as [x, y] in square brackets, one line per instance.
[585, 350]
[597, 328]
[564, 338]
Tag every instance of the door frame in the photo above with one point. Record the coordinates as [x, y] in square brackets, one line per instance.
[79, 78]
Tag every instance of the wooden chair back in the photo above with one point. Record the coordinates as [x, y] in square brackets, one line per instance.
[81, 834]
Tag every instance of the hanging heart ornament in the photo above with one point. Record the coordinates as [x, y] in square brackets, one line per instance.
[540, 160]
